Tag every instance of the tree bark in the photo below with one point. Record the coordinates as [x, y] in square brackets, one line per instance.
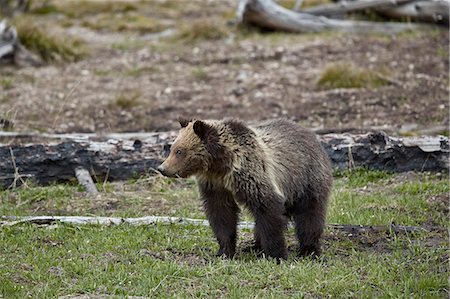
[130, 155]
[342, 7]
[269, 15]
[436, 11]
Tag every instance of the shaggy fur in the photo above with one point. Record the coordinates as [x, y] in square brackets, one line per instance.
[276, 169]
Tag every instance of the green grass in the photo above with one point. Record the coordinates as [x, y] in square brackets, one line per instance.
[345, 75]
[172, 261]
[6, 82]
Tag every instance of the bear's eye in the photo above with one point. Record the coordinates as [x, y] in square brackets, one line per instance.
[178, 152]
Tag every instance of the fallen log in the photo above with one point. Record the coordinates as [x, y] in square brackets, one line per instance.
[152, 220]
[436, 11]
[130, 155]
[12, 51]
[269, 15]
[343, 7]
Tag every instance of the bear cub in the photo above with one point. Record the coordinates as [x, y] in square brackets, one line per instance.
[276, 169]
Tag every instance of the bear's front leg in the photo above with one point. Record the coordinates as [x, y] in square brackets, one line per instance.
[222, 213]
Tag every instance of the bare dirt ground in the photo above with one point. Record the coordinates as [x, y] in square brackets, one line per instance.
[132, 81]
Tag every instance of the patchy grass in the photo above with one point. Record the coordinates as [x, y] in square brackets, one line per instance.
[345, 75]
[200, 73]
[289, 4]
[124, 22]
[6, 82]
[77, 9]
[51, 46]
[277, 38]
[138, 70]
[127, 99]
[201, 30]
[134, 71]
[171, 261]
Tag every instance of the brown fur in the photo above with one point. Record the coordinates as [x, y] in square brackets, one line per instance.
[276, 169]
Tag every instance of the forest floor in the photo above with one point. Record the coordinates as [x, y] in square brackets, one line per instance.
[129, 78]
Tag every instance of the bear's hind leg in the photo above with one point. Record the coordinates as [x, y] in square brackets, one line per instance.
[309, 217]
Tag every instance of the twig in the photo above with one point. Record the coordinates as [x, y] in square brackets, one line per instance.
[17, 175]
[85, 180]
[151, 220]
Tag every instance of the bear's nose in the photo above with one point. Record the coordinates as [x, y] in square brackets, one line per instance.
[161, 169]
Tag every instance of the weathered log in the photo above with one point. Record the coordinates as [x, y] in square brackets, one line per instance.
[8, 40]
[269, 15]
[436, 11]
[12, 51]
[151, 220]
[342, 7]
[128, 156]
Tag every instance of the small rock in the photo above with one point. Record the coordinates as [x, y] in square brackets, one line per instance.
[57, 271]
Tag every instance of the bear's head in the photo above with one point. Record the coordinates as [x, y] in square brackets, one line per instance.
[196, 150]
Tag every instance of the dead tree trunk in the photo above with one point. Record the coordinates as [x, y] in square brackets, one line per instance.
[12, 51]
[268, 14]
[436, 11]
[135, 155]
[425, 11]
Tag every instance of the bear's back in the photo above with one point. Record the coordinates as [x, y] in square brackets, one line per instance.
[294, 154]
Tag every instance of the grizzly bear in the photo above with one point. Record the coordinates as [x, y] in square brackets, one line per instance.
[276, 169]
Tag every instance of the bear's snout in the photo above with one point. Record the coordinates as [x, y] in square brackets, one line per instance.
[162, 170]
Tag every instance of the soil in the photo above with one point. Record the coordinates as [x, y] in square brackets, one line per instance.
[134, 82]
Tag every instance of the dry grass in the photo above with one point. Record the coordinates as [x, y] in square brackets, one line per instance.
[76, 9]
[6, 82]
[306, 3]
[127, 99]
[346, 75]
[124, 22]
[202, 30]
[51, 46]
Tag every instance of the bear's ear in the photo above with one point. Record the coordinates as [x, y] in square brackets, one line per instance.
[184, 121]
[201, 129]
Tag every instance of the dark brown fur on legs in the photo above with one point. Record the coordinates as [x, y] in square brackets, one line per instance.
[309, 217]
[222, 213]
[270, 227]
